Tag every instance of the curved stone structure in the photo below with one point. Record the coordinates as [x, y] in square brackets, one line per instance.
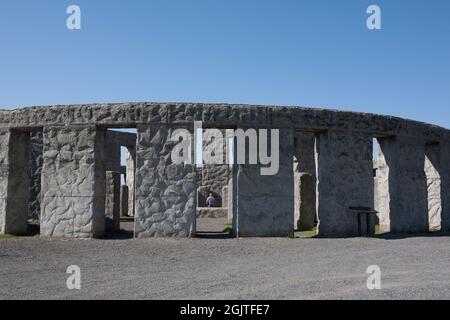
[412, 185]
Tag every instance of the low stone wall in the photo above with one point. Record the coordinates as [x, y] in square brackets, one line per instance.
[212, 212]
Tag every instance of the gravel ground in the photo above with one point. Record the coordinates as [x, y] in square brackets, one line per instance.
[221, 268]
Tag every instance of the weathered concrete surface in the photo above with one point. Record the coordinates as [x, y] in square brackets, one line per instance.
[403, 192]
[36, 162]
[219, 115]
[165, 192]
[73, 182]
[265, 203]
[304, 181]
[345, 179]
[14, 181]
[402, 208]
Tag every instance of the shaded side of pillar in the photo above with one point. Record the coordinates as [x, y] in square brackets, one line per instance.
[345, 180]
[304, 181]
[265, 203]
[14, 181]
[403, 195]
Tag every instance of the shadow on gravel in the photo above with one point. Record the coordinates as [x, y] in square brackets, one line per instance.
[118, 235]
[213, 235]
[397, 236]
[126, 231]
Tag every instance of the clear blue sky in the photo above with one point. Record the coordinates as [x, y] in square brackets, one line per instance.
[310, 53]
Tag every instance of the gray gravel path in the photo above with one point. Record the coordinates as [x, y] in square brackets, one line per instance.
[257, 268]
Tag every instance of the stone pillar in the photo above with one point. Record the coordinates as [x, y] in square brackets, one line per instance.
[202, 195]
[5, 136]
[112, 201]
[265, 203]
[433, 175]
[14, 181]
[73, 182]
[345, 179]
[304, 181]
[225, 196]
[36, 161]
[381, 182]
[165, 191]
[402, 185]
[230, 203]
[112, 166]
[130, 172]
[124, 200]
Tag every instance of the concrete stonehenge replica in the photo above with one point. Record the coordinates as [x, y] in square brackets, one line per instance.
[326, 168]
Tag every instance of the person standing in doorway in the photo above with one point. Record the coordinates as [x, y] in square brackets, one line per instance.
[211, 201]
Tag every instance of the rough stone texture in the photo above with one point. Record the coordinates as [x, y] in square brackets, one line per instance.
[217, 115]
[304, 181]
[14, 181]
[36, 162]
[165, 192]
[73, 182]
[345, 179]
[402, 194]
[265, 204]
[433, 176]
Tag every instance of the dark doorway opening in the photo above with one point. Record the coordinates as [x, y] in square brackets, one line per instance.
[119, 165]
